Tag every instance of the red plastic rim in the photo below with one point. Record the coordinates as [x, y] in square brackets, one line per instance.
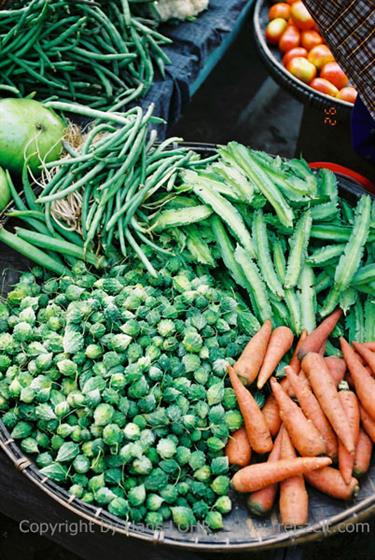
[345, 172]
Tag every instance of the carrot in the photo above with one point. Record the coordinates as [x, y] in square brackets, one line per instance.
[337, 368]
[255, 424]
[249, 363]
[280, 343]
[322, 349]
[329, 481]
[312, 410]
[295, 362]
[261, 502]
[319, 336]
[363, 382]
[305, 437]
[326, 392]
[367, 355]
[238, 448]
[351, 407]
[258, 476]
[363, 452]
[368, 423]
[271, 415]
[294, 500]
[368, 345]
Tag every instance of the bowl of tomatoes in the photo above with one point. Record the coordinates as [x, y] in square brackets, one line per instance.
[297, 55]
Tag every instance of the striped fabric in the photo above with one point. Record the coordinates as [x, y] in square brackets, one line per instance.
[349, 29]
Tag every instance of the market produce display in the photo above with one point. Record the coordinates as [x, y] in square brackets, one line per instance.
[97, 53]
[150, 363]
[305, 53]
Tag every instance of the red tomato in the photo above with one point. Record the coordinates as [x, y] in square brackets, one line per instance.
[320, 56]
[324, 86]
[291, 1]
[294, 53]
[348, 94]
[334, 74]
[279, 10]
[302, 69]
[275, 29]
[310, 39]
[301, 16]
[290, 39]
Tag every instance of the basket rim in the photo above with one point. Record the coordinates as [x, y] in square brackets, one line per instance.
[300, 89]
[102, 518]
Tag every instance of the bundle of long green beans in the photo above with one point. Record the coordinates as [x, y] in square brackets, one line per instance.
[95, 53]
[102, 196]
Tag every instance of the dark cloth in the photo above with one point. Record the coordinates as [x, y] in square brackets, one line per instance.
[349, 29]
[363, 131]
[193, 42]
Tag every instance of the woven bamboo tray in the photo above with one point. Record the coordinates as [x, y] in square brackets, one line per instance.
[271, 56]
[241, 532]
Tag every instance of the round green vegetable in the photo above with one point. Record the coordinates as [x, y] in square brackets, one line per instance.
[29, 133]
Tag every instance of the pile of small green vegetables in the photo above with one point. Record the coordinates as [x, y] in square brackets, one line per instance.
[97, 53]
[115, 386]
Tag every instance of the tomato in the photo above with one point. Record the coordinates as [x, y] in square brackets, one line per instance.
[302, 69]
[320, 55]
[279, 10]
[275, 29]
[294, 53]
[334, 74]
[290, 39]
[348, 94]
[291, 1]
[310, 39]
[301, 16]
[324, 86]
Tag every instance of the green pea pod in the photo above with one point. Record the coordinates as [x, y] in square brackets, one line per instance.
[226, 211]
[369, 327]
[365, 275]
[291, 298]
[256, 285]
[227, 251]
[181, 217]
[264, 256]
[355, 322]
[352, 256]
[307, 298]
[327, 211]
[244, 158]
[347, 299]
[198, 247]
[320, 257]
[298, 249]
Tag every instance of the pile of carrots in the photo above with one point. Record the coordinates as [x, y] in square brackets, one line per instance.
[317, 426]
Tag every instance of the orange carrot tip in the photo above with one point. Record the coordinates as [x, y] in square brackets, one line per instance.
[367, 355]
[363, 381]
[249, 363]
[238, 448]
[280, 343]
[255, 424]
[319, 336]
